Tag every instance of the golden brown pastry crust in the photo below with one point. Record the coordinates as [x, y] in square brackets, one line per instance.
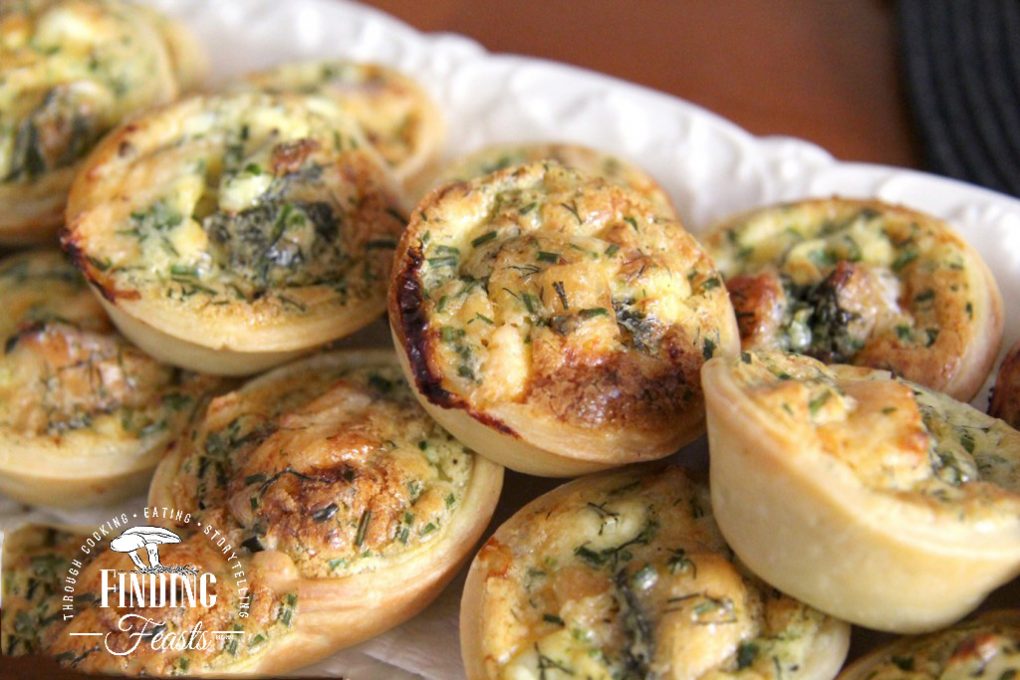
[69, 71]
[229, 233]
[983, 647]
[398, 117]
[625, 575]
[581, 158]
[329, 474]
[84, 415]
[827, 475]
[556, 322]
[863, 282]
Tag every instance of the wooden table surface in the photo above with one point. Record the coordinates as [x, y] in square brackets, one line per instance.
[823, 70]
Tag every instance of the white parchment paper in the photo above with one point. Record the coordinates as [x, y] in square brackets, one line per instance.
[709, 166]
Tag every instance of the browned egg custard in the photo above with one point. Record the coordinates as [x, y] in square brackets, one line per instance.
[70, 70]
[985, 647]
[230, 233]
[873, 499]
[84, 415]
[864, 283]
[1006, 394]
[581, 158]
[328, 472]
[398, 117]
[556, 322]
[625, 576]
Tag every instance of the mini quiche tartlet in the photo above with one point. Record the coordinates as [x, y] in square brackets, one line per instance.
[556, 322]
[70, 70]
[869, 497]
[139, 638]
[398, 117]
[230, 233]
[1005, 402]
[863, 283]
[84, 415]
[625, 575]
[329, 473]
[581, 158]
[987, 646]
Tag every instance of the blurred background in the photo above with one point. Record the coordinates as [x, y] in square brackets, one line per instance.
[927, 84]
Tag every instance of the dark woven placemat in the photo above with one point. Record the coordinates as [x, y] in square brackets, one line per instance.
[962, 66]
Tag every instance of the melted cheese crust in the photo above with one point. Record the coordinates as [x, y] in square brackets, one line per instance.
[626, 576]
[398, 117]
[69, 71]
[985, 647]
[246, 222]
[895, 437]
[33, 623]
[335, 465]
[539, 295]
[581, 158]
[1006, 395]
[75, 398]
[866, 283]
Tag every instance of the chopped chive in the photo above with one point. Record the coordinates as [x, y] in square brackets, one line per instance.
[612, 250]
[904, 258]
[484, 238]
[552, 618]
[818, 402]
[530, 302]
[592, 312]
[561, 293]
[366, 517]
[545, 256]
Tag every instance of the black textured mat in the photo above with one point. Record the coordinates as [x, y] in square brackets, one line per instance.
[962, 65]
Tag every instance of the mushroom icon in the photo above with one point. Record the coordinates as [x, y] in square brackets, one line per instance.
[149, 538]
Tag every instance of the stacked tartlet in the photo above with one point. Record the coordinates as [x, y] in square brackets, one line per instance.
[84, 415]
[70, 70]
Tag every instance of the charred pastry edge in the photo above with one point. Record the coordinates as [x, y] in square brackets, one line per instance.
[832, 640]
[899, 570]
[859, 669]
[488, 435]
[411, 327]
[984, 346]
[334, 613]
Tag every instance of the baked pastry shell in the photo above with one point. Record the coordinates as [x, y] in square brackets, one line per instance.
[813, 531]
[41, 473]
[333, 613]
[513, 437]
[236, 342]
[860, 669]
[824, 661]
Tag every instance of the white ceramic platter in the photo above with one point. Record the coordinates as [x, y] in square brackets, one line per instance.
[710, 166]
